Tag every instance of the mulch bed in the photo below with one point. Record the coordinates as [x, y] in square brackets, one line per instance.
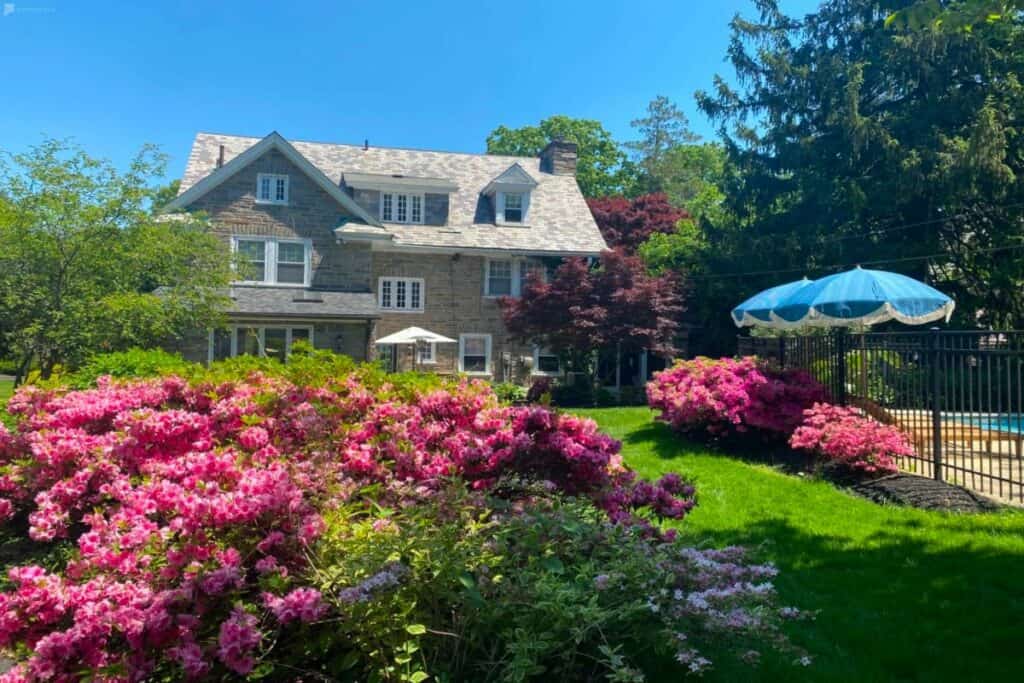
[924, 493]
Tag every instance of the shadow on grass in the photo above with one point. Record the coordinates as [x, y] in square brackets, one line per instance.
[894, 606]
[669, 444]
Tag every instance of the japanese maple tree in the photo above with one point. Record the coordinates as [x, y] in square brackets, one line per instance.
[584, 308]
[627, 223]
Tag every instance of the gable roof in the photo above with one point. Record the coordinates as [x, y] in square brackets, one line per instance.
[560, 220]
[515, 176]
[240, 160]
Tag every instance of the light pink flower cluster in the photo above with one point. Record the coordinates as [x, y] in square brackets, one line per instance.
[845, 437]
[726, 396]
[192, 505]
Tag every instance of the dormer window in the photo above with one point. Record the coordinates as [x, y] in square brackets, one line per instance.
[513, 207]
[271, 188]
[401, 207]
[510, 194]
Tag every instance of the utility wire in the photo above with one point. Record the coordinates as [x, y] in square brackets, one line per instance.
[839, 266]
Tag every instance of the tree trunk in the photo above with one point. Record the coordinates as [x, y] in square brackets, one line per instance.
[19, 375]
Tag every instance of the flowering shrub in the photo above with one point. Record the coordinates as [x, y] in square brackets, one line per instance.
[729, 396]
[844, 437]
[553, 593]
[195, 505]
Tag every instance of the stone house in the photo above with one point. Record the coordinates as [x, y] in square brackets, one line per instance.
[345, 244]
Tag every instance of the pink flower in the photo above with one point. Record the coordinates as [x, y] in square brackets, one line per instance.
[304, 604]
[238, 638]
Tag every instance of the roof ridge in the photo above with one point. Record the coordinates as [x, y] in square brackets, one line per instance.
[358, 146]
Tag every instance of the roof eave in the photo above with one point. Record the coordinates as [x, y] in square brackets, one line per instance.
[274, 140]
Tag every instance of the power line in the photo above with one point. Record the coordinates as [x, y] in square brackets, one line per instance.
[839, 266]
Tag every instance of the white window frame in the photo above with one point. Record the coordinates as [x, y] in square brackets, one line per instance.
[260, 336]
[487, 352]
[270, 259]
[273, 179]
[394, 202]
[393, 308]
[539, 351]
[519, 273]
[430, 358]
[499, 209]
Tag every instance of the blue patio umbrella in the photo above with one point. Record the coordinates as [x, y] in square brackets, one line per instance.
[862, 297]
[757, 309]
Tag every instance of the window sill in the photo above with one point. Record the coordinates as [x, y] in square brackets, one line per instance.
[267, 202]
[405, 311]
[275, 285]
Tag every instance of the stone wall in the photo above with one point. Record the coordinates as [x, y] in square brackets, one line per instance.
[453, 304]
[310, 213]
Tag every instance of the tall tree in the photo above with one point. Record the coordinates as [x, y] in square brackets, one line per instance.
[85, 255]
[585, 309]
[602, 168]
[665, 128]
[854, 143]
[628, 223]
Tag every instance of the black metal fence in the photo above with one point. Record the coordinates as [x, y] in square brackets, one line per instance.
[958, 395]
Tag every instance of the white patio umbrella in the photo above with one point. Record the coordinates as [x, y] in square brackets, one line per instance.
[414, 335]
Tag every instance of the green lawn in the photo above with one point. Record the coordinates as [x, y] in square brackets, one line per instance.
[6, 389]
[903, 594]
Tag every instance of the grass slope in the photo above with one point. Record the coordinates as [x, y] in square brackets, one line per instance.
[903, 594]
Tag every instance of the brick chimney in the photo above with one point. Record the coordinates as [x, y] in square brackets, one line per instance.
[559, 157]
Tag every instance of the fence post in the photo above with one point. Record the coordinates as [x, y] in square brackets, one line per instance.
[934, 351]
[782, 352]
[840, 338]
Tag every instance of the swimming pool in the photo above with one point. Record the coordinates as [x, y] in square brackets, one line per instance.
[1012, 423]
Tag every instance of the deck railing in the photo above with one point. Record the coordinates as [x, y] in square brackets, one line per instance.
[958, 395]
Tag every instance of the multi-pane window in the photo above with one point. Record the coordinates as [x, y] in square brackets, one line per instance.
[499, 278]
[254, 255]
[256, 340]
[403, 294]
[416, 208]
[396, 207]
[513, 207]
[507, 277]
[269, 260]
[475, 353]
[426, 352]
[545, 362]
[271, 188]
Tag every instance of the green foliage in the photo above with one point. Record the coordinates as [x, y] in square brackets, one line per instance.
[133, 363]
[872, 568]
[88, 267]
[507, 392]
[552, 592]
[602, 168]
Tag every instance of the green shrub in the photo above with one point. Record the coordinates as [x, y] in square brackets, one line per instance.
[132, 363]
[507, 392]
[549, 592]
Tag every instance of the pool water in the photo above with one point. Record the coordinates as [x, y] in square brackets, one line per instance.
[995, 423]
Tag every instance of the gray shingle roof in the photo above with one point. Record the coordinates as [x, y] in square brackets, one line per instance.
[560, 220]
[301, 303]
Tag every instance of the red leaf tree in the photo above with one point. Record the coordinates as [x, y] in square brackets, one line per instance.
[585, 309]
[627, 223]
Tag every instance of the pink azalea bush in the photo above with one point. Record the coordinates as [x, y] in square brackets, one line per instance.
[846, 438]
[194, 505]
[732, 396]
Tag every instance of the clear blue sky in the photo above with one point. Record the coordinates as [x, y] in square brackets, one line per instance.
[420, 74]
